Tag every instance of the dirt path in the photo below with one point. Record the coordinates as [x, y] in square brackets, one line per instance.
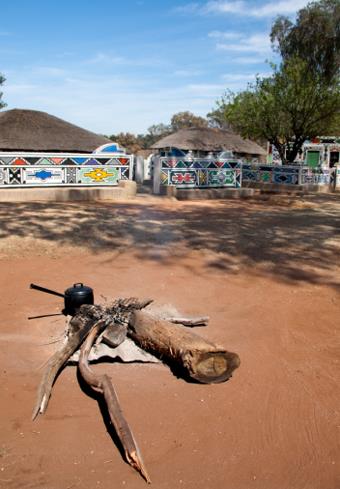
[268, 277]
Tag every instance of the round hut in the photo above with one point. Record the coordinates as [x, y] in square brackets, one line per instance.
[203, 141]
[32, 130]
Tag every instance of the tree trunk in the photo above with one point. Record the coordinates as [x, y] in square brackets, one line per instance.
[200, 359]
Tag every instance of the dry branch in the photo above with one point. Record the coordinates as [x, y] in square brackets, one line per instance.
[189, 321]
[79, 328]
[103, 385]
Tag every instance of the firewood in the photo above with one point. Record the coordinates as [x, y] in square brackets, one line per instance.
[79, 326]
[200, 359]
[190, 322]
[103, 385]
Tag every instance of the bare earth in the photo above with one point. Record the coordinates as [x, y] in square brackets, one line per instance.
[267, 274]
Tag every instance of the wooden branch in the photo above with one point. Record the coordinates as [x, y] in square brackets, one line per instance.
[189, 321]
[202, 360]
[103, 385]
[79, 328]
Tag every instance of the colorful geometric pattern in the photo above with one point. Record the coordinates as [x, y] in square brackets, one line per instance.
[317, 177]
[200, 173]
[33, 169]
[207, 173]
[285, 175]
[33, 176]
[108, 175]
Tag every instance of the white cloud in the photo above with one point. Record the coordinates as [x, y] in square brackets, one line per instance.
[206, 89]
[49, 71]
[189, 8]
[229, 35]
[241, 7]
[225, 7]
[188, 73]
[257, 43]
[284, 7]
[239, 77]
[103, 58]
[107, 104]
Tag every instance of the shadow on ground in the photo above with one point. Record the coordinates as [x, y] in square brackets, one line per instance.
[294, 242]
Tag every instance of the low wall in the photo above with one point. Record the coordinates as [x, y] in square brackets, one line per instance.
[123, 191]
[200, 173]
[290, 175]
[63, 169]
[182, 173]
[210, 193]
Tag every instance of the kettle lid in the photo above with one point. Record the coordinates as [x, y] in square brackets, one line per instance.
[78, 289]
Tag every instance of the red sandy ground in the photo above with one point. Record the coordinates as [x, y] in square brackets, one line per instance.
[267, 274]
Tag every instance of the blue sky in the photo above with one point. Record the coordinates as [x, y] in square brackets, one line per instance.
[122, 66]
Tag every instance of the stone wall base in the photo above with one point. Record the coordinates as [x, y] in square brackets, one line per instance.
[209, 193]
[126, 189]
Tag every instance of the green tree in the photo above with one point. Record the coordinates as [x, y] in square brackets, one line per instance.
[128, 141]
[155, 132]
[187, 120]
[2, 81]
[217, 117]
[314, 37]
[286, 108]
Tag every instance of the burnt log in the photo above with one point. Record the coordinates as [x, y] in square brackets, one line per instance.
[202, 360]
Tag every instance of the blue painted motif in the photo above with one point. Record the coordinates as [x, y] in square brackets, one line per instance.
[43, 174]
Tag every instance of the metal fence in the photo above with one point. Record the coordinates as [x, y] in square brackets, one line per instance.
[63, 169]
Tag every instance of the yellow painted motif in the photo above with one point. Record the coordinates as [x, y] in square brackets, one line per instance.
[98, 174]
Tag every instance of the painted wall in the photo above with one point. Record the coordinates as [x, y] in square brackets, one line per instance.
[38, 169]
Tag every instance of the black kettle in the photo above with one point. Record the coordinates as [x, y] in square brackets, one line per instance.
[74, 297]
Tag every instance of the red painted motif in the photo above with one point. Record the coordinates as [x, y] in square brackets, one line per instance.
[123, 161]
[18, 162]
[57, 161]
[183, 178]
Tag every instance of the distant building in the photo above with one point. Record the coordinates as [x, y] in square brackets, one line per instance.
[323, 151]
[204, 141]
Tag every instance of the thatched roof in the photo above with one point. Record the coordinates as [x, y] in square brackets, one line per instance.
[32, 130]
[209, 139]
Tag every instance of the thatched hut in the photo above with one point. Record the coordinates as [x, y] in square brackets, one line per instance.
[32, 130]
[210, 140]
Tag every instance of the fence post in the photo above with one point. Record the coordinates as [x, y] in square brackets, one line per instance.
[300, 175]
[156, 175]
[139, 169]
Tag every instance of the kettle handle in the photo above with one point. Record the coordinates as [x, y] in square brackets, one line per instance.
[48, 291]
[78, 284]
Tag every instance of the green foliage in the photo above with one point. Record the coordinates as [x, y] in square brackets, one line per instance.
[2, 81]
[128, 141]
[217, 116]
[187, 120]
[155, 132]
[290, 106]
[315, 37]
[301, 99]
